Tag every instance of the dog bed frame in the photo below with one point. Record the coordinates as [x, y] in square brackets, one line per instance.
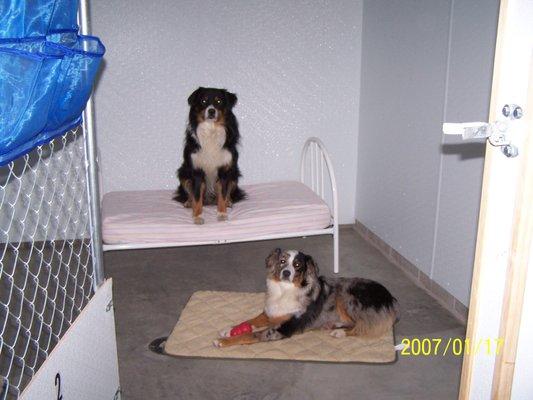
[151, 219]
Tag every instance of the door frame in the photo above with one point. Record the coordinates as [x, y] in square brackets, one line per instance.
[517, 239]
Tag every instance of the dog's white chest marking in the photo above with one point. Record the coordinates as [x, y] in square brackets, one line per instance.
[211, 156]
[283, 298]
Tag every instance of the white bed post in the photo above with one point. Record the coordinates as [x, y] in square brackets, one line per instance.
[318, 157]
[336, 247]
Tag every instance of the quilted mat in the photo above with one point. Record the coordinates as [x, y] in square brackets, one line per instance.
[208, 312]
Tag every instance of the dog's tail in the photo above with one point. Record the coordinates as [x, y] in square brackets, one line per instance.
[375, 323]
[180, 195]
[238, 194]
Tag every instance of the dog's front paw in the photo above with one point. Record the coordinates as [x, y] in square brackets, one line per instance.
[222, 216]
[225, 333]
[198, 220]
[218, 343]
[338, 333]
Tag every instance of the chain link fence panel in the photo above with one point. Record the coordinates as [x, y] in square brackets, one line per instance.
[46, 267]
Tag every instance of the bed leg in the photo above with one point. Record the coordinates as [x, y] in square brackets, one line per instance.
[336, 250]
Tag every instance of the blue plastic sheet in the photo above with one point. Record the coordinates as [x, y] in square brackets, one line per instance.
[64, 17]
[81, 60]
[47, 72]
[27, 84]
[37, 18]
[44, 87]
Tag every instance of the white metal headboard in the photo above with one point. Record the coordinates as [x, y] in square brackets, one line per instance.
[319, 161]
[315, 160]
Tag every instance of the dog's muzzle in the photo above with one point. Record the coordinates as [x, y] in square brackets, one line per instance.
[211, 113]
[286, 275]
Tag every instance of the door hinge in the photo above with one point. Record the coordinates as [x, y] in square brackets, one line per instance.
[498, 133]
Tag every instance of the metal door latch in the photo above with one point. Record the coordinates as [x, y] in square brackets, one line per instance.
[497, 132]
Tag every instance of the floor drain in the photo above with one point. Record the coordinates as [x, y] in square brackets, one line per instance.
[158, 345]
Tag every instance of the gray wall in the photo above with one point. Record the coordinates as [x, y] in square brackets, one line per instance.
[294, 65]
[424, 62]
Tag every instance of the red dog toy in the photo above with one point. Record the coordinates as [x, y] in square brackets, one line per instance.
[240, 329]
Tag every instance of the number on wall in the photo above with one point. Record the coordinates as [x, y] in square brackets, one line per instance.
[58, 385]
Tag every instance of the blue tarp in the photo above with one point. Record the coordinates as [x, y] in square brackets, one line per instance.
[47, 72]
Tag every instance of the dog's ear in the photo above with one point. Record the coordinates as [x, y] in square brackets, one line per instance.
[311, 265]
[231, 98]
[194, 95]
[273, 258]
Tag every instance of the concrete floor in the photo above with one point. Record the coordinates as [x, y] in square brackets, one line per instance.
[152, 286]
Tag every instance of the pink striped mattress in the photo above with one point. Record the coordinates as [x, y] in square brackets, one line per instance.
[151, 216]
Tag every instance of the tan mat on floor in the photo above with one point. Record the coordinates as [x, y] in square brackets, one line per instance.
[208, 312]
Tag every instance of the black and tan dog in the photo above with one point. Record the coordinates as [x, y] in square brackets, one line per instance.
[210, 173]
[298, 299]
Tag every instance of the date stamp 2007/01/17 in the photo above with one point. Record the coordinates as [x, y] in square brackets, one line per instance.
[450, 346]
